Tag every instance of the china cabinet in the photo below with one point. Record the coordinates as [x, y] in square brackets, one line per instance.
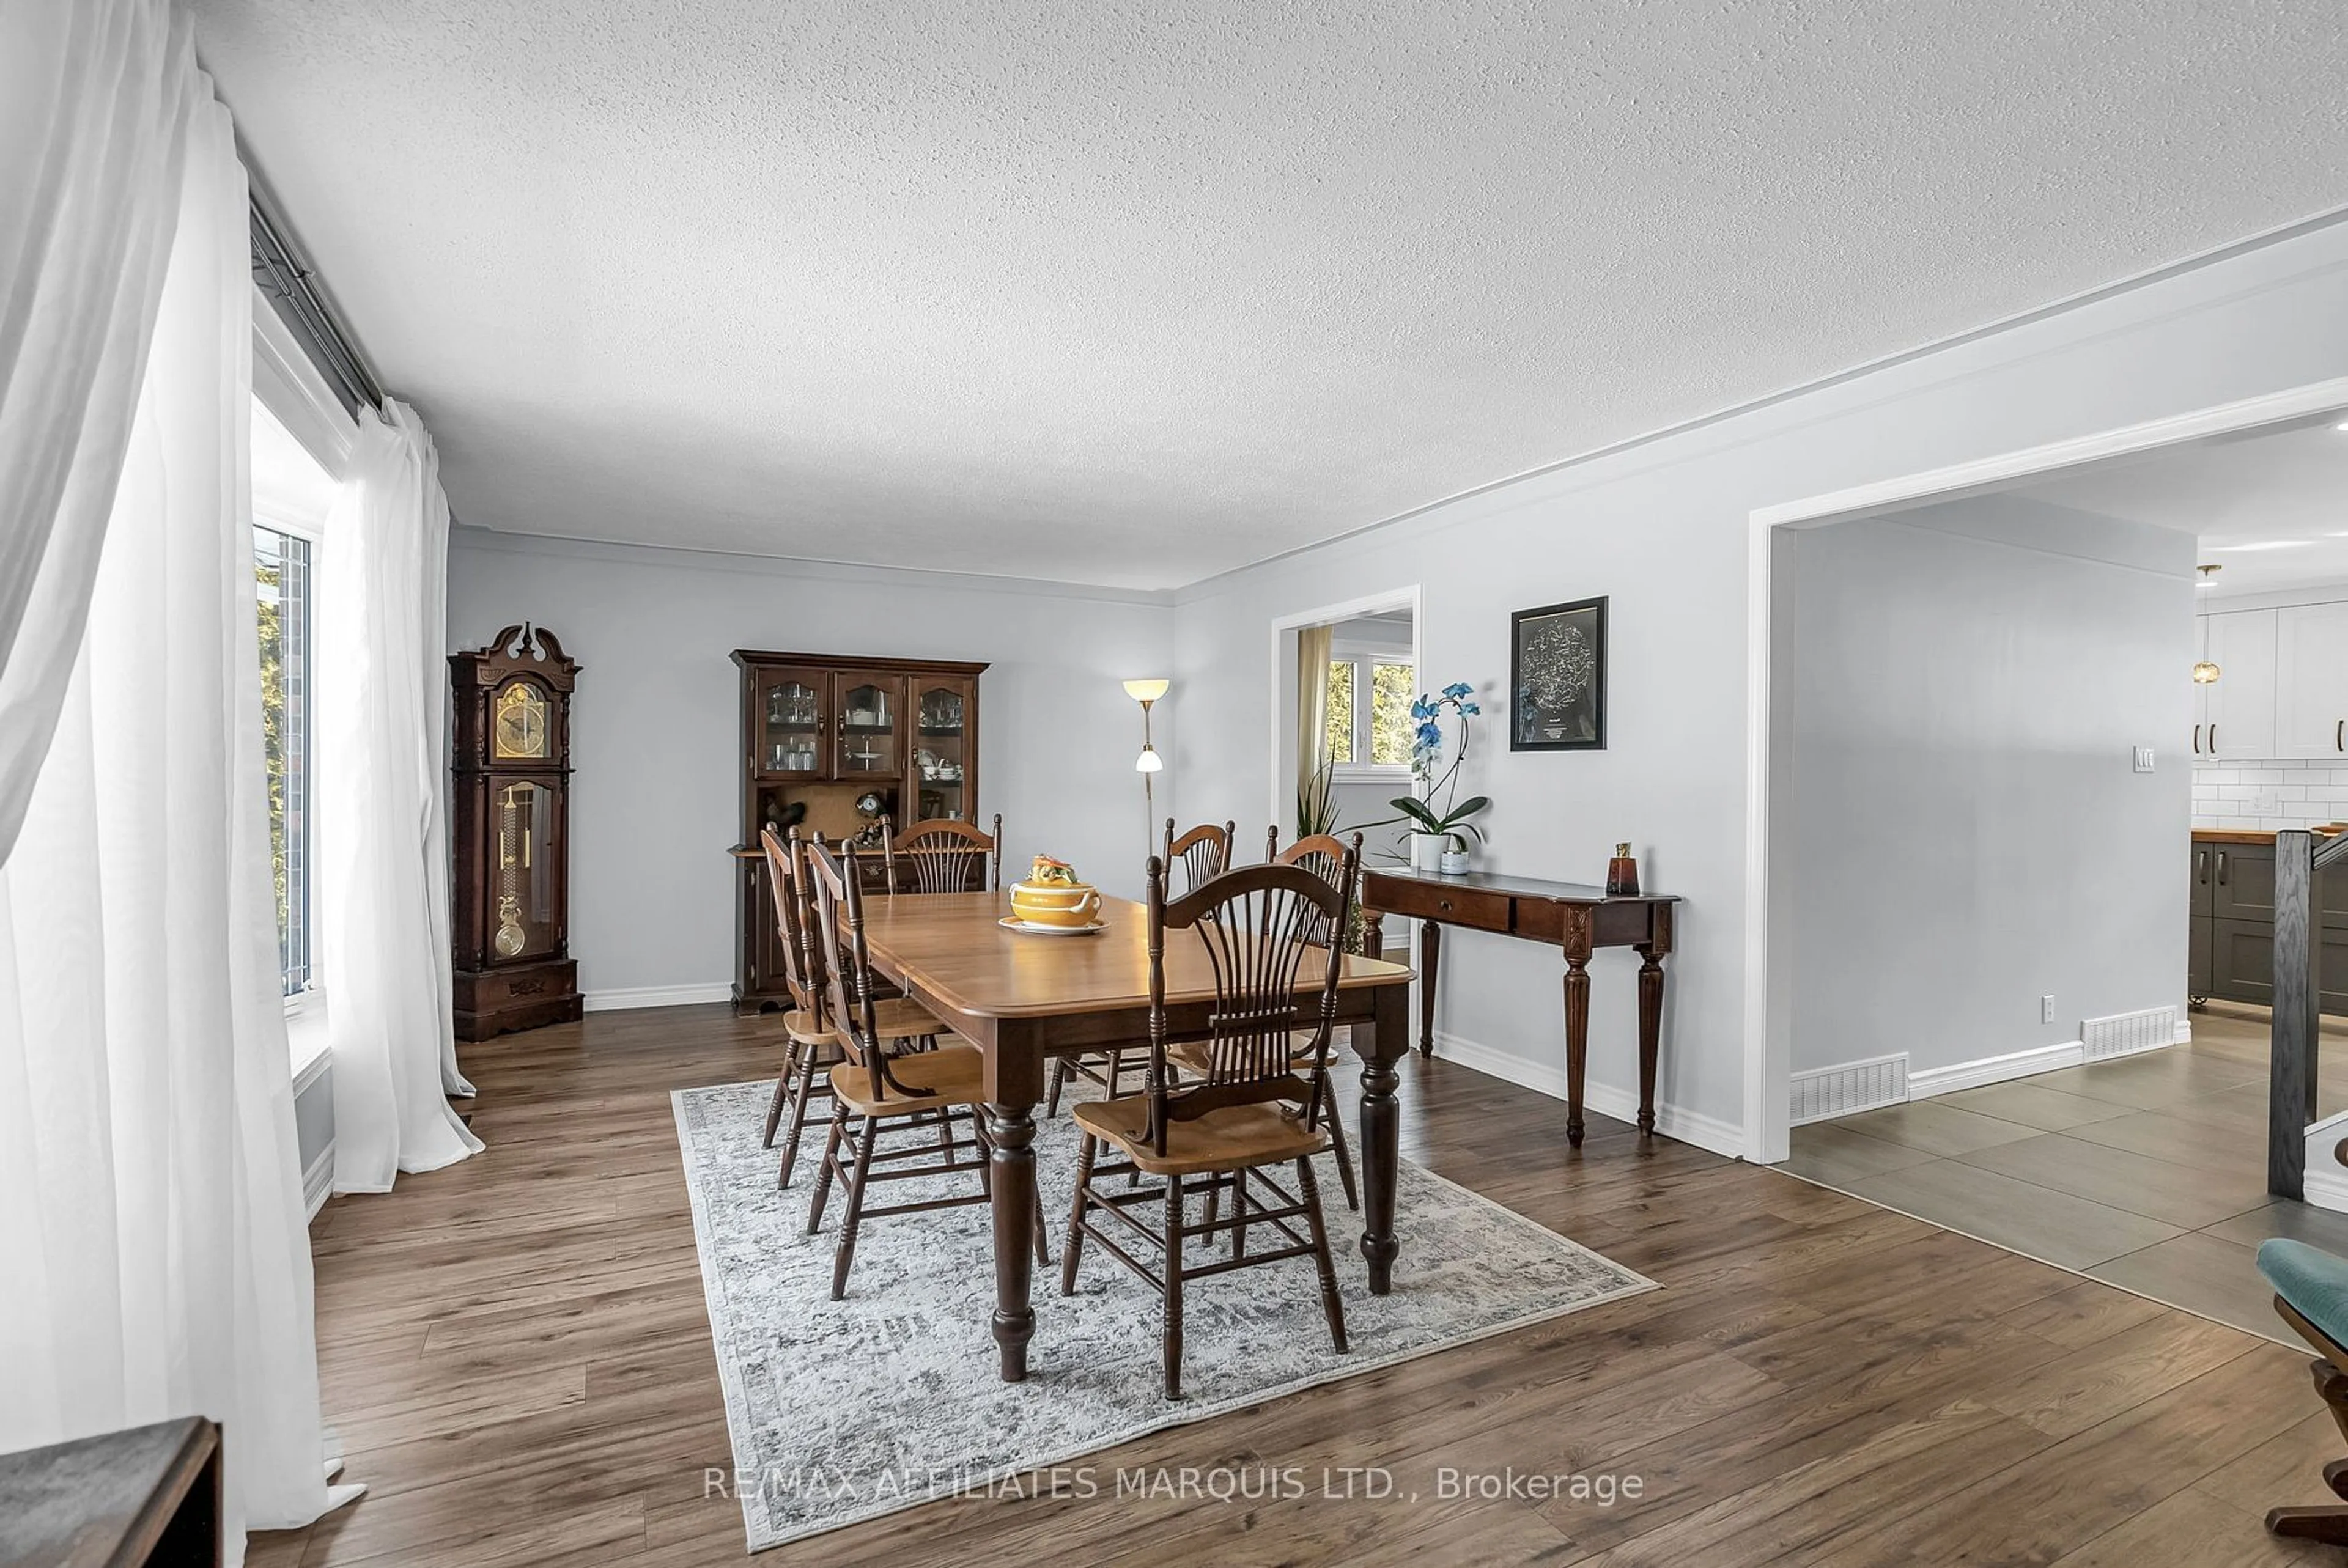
[834, 744]
[510, 835]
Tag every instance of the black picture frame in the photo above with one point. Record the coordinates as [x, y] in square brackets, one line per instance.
[1557, 677]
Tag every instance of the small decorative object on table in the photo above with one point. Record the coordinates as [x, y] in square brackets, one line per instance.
[1622, 874]
[1053, 901]
[1438, 820]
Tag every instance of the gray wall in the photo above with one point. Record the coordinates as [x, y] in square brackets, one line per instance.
[1966, 687]
[1664, 528]
[656, 720]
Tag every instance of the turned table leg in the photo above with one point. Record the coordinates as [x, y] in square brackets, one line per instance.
[1380, 1044]
[1011, 1130]
[1650, 1032]
[1577, 1016]
[1430, 958]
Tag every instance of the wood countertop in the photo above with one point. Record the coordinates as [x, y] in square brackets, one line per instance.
[2253, 835]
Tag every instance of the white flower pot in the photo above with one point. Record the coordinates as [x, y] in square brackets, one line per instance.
[1426, 851]
[1455, 863]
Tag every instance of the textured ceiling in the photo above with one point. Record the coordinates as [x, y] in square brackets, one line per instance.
[2271, 509]
[1131, 293]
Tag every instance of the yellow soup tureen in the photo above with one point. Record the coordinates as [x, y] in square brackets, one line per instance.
[1052, 896]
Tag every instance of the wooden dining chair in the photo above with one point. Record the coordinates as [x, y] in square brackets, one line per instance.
[1202, 853]
[930, 1096]
[944, 855]
[1250, 1113]
[811, 1042]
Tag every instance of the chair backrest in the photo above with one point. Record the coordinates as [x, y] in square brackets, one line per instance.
[794, 920]
[1323, 855]
[848, 977]
[1260, 927]
[1205, 851]
[946, 854]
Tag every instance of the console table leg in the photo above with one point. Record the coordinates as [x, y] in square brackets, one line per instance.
[1577, 1040]
[1430, 957]
[1650, 1032]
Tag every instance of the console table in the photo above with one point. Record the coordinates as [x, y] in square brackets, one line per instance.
[1578, 918]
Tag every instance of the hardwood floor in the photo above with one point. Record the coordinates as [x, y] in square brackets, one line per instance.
[515, 1354]
[2148, 1171]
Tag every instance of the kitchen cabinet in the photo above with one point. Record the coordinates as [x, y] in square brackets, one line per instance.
[2236, 712]
[2229, 955]
[2310, 680]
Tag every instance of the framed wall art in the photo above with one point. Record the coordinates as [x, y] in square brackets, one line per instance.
[1557, 678]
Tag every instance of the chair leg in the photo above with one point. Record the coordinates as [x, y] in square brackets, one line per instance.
[855, 1195]
[831, 1163]
[1062, 1069]
[2326, 1525]
[1331, 1307]
[799, 1097]
[782, 1090]
[1074, 1247]
[1238, 1213]
[1337, 1141]
[1172, 1302]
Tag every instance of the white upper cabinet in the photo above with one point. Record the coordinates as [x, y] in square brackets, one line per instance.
[2310, 666]
[2240, 706]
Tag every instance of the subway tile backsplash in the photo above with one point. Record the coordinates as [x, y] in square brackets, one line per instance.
[2269, 795]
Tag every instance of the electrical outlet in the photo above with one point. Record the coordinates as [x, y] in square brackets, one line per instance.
[2045, 1010]
[2144, 759]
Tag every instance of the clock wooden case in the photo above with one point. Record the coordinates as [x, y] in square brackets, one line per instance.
[512, 835]
[831, 744]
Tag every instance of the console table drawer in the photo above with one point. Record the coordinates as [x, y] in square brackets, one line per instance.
[1468, 906]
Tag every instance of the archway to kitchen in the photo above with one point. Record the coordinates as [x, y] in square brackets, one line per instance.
[1987, 973]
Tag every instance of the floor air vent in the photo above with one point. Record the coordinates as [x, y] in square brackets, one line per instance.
[2124, 1033]
[1853, 1086]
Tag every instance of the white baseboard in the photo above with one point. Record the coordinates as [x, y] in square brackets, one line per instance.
[1671, 1121]
[2184, 1029]
[318, 1181]
[1931, 1081]
[655, 997]
[2325, 1189]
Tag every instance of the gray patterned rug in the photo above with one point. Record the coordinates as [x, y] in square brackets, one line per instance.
[842, 1411]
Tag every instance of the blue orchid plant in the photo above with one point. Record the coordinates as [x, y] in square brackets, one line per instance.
[1439, 809]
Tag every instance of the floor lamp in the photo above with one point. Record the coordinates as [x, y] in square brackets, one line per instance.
[1149, 764]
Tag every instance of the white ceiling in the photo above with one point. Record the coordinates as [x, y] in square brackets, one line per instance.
[1131, 293]
[2271, 509]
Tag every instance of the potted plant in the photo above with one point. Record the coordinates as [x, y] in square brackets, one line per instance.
[1437, 819]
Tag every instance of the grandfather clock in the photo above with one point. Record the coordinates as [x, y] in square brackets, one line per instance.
[511, 839]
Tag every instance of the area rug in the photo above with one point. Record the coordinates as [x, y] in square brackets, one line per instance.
[843, 1411]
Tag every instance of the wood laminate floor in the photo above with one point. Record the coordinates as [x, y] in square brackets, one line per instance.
[515, 1354]
[2148, 1171]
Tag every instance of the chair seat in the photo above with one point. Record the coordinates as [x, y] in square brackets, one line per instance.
[1232, 1138]
[2312, 1281]
[953, 1075]
[898, 1018]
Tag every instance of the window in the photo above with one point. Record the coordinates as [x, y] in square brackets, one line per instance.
[281, 569]
[292, 495]
[1370, 696]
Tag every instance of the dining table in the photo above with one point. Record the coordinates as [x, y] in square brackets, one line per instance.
[1023, 998]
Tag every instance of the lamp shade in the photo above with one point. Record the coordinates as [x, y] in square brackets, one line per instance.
[1147, 691]
[1148, 762]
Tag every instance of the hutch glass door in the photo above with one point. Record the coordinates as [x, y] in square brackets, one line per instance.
[943, 755]
[789, 713]
[869, 714]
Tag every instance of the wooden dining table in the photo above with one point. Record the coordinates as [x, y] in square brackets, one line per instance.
[1022, 998]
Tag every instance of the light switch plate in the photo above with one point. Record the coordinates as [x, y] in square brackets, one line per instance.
[2144, 759]
[2046, 1010]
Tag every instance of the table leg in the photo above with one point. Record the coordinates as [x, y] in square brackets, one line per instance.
[1380, 1044]
[1651, 1031]
[1577, 1040]
[1011, 1129]
[1430, 958]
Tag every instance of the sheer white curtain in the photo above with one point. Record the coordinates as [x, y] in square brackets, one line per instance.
[383, 824]
[150, 1205]
[94, 101]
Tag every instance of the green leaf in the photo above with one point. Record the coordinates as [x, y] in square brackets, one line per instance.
[1465, 809]
[1416, 811]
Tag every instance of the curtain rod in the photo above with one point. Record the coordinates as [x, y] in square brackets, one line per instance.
[282, 275]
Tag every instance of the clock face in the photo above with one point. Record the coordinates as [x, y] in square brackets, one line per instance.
[521, 726]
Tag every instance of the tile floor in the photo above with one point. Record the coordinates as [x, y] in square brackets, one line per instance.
[2148, 1171]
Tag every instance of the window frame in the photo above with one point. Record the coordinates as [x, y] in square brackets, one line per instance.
[297, 396]
[1365, 657]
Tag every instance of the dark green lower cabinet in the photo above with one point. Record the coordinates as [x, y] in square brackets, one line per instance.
[2232, 955]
